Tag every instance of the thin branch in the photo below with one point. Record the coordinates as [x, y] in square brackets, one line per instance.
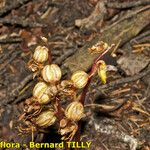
[66, 54]
[16, 91]
[3, 57]
[97, 15]
[128, 4]
[112, 109]
[11, 40]
[55, 4]
[21, 22]
[140, 37]
[22, 97]
[14, 5]
[14, 55]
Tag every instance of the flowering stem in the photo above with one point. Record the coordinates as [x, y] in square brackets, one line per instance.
[97, 59]
[49, 56]
[91, 74]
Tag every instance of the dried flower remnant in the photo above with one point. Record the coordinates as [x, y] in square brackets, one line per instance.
[98, 47]
[67, 89]
[67, 129]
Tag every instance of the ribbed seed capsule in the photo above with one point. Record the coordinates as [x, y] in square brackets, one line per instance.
[40, 93]
[51, 73]
[40, 54]
[46, 119]
[80, 79]
[74, 111]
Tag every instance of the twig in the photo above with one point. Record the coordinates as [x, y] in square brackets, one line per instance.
[16, 91]
[141, 45]
[21, 22]
[101, 107]
[3, 71]
[97, 15]
[128, 4]
[64, 56]
[24, 95]
[5, 56]
[125, 80]
[14, 5]
[14, 55]
[11, 40]
[140, 37]
[21, 85]
[129, 15]
[55, 4]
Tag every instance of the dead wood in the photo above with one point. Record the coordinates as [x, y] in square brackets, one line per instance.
[21, 22]
[55, 4]
[97, 15]
[124, 29]
[14, 55]
[15, 5]
[16, 91]
[6, 56]
[105, 108]
[66, 54]
[141, 38]
[10, 40]
[128, 4]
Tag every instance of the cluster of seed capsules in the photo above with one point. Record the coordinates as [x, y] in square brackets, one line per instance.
[44, 108]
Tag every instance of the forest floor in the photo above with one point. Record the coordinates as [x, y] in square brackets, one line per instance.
[119, 110]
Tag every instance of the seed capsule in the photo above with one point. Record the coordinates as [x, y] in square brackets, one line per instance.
[74, 111]
[67, 87]
[40, 54]
[40, 93]
[80, 79]
[46, 119]
[51, 73]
